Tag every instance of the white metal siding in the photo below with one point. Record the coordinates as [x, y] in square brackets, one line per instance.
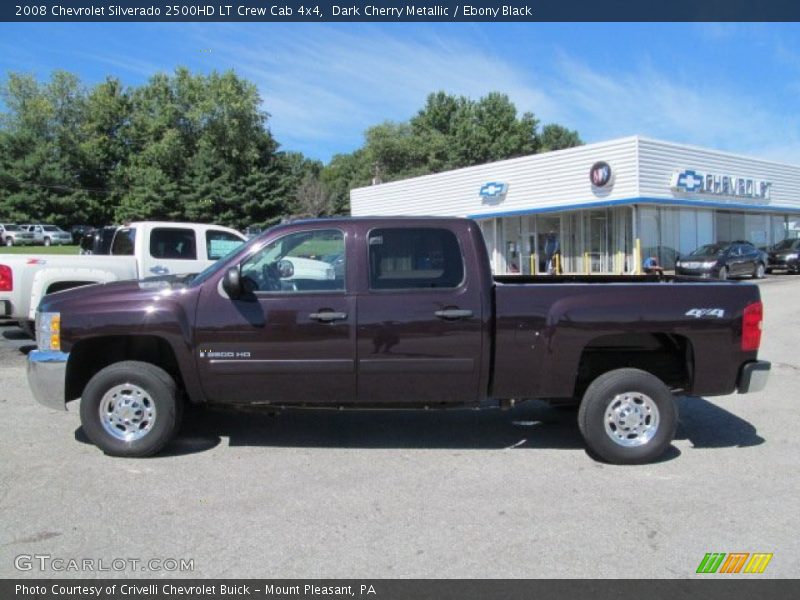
[539, 181]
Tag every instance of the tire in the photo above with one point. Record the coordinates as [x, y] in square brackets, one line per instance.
[28, 328]
[47, 241]
[628, 417]
[148, 391]
[723, 273]
[9, 242]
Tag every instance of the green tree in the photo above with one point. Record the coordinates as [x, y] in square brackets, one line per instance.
[556, 137]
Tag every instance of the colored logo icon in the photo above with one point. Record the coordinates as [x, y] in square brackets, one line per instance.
[600, 174]
[734, 562]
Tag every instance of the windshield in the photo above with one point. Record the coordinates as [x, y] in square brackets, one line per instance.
[214, 267]
[710, 250]
[787, 245]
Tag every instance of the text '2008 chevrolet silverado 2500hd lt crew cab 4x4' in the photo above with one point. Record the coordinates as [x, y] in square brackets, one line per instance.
[408, 316]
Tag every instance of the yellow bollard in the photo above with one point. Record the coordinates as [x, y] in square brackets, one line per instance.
[586, 263]
[637, 257]
[533, 264]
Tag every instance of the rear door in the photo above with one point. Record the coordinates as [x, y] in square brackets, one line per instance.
[419, 326]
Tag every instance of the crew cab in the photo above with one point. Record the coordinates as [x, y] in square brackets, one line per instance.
[138, 250]
[413, 318]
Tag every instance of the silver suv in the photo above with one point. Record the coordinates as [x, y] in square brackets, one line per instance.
[48, 235]
[11, 235]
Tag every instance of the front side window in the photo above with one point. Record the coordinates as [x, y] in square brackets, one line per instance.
[124, 242]
[221, 243]
[414, 259]
[173, 244]
[307, 261]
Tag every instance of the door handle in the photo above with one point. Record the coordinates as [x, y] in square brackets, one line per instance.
[328, 316]
[453, 314]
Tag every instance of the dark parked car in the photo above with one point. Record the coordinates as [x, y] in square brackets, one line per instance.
[783, 256]
[98, 241]
[722, 260]
[78, 231]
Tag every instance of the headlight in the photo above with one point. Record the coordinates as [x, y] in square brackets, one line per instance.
[48, 330]
[791, 256]
[709, 264]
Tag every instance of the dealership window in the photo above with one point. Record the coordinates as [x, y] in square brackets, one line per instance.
[414, 259]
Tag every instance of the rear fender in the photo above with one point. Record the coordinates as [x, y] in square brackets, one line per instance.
[44, 279]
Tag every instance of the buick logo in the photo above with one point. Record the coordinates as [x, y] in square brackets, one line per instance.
[600, 174]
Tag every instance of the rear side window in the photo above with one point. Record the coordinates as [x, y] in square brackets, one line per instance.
[401, 259]
[123, 244]
[220, 243]
[173, 244]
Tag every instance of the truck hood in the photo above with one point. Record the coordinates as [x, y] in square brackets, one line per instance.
[122, 293]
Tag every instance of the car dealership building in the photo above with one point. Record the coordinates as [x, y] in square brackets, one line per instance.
[605, 207]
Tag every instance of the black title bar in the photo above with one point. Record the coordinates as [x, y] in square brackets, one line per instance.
[383, 11]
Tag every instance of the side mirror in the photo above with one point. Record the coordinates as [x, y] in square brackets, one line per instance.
[232, 283]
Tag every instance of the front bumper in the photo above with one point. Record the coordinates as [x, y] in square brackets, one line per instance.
[47, 374]
[753, 376]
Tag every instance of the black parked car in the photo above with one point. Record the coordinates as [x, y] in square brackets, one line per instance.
[78, 231]
[783, 256]
[723, 260]
[98, 241]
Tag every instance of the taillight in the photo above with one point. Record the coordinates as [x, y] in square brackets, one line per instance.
[751, 326]
[6, 279]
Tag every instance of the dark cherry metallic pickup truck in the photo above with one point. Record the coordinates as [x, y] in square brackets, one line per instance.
[392, 313]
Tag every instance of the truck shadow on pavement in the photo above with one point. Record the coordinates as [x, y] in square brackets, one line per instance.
[530, 425]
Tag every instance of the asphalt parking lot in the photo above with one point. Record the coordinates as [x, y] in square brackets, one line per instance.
[408, 494]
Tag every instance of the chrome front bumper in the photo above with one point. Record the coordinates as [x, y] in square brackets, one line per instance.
[753, 376]
[47, 373]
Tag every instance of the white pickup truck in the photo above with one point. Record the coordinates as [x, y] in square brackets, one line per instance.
[138, 251]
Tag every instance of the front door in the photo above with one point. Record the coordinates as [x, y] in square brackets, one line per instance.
[291, 339]
[419, 321]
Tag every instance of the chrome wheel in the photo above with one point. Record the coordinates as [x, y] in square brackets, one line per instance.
[127, 412]
[631, 419]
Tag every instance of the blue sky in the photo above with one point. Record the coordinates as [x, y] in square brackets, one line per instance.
[733, 87]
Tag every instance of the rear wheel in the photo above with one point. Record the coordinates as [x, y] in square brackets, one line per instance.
[130, 409]
[47, 241]
[9, 242]
[628, 416]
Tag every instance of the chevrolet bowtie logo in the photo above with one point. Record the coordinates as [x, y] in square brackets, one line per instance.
[493, 189]
[689, 181]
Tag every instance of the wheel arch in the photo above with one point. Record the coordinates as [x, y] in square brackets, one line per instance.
[88, 357]
[670, 357]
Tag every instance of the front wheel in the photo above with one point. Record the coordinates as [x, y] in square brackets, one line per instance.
[47, 241]
[628, 416]
[130, 409]
[758, 272]
[9, 242]
[723, 273]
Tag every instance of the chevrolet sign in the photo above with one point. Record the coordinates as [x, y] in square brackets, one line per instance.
[493, 191]
[691, 181]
